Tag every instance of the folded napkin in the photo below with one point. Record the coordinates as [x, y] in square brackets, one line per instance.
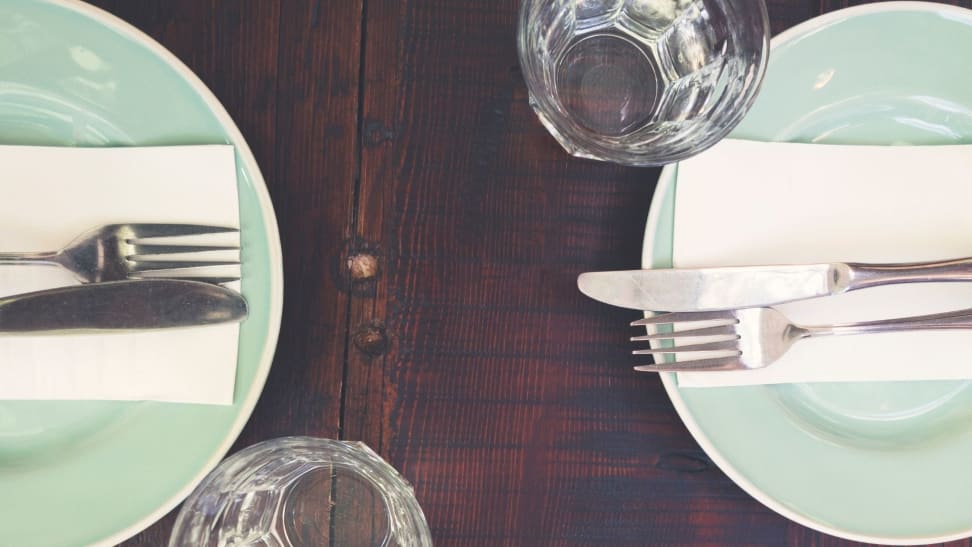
[52, 195]
[750, 203]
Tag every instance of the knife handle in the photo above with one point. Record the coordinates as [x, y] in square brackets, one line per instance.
[862, 276]
[141, 304]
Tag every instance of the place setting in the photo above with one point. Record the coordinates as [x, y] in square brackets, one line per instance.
[140, 278]
[805, 273]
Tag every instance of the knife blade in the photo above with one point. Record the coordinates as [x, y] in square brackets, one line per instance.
[713, 288]
[121, 305]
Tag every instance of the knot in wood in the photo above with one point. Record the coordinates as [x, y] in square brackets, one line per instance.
[687, 461]
[376, 133]
[370, 338]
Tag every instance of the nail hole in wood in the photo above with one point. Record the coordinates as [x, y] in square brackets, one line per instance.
[362, 266]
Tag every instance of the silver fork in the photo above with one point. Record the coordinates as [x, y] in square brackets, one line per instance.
[116, 252]
[756, 337]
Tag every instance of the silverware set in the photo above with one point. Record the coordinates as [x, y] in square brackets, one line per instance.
[720, 319]
[134, 277]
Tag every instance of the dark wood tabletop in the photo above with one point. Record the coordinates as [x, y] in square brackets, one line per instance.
[432, 234]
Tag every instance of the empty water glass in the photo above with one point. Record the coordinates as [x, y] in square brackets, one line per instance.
[297, 491]
[642, 82]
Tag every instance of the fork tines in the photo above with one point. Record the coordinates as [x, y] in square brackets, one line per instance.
[150, 257]
[700, 333]
[685, 317]
[148, 230]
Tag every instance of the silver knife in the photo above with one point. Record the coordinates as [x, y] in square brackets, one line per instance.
[748, 286]
[121, 305]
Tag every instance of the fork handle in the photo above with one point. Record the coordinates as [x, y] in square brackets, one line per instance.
[954, 320]
[862, 276]
[29, 258]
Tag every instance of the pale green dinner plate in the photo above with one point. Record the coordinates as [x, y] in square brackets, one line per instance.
[882, 462]
[81, 473]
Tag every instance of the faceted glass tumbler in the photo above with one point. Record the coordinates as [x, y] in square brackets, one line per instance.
[642, 82]
[296, 491]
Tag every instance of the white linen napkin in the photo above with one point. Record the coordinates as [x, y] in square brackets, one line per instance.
[52, 195]
[751, 203]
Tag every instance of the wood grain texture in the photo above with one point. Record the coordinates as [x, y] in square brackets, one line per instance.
[368, 377]
[399, 131]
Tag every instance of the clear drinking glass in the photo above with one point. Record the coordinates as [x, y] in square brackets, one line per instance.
[296, 491]
[642, 82]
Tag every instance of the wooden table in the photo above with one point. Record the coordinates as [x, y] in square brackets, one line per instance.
[432, 233]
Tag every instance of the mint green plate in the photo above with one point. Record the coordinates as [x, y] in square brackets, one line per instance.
[881, 462]
[81, 473]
